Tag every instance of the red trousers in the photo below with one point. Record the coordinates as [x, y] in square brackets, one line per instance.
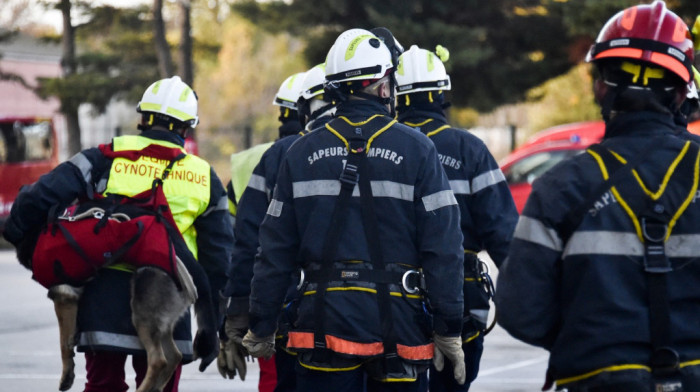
[268, 375]
[105, 372]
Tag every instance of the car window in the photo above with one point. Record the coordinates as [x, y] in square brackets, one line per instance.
[21, 141]
[527, 169]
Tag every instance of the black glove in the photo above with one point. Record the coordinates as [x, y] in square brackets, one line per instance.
[206, 347]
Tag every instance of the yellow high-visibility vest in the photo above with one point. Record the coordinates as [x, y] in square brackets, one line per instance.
[242, 165]
[187, 188]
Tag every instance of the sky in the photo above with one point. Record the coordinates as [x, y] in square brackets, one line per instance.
[54, 18]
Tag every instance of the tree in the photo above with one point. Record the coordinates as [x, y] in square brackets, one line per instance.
[165, 61]
[499, 48]
[115, 61]
[69, 107]
[186, 65]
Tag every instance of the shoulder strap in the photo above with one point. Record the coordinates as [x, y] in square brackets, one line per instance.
[618, 172]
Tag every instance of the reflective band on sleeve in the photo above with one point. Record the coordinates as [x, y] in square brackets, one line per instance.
[392, 189]
[257, 182]
[480, 315]
[101, 186]
[460, 187]
[83, 164]
[485, 180]
[275, 208]
[532, 230]
[221, 205]
[439, 200]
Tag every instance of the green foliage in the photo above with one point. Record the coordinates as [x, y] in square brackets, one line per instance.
[115, 59]
[499, 48]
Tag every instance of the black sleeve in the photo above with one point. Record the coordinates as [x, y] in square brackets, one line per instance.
[60, 187]
[215, 236]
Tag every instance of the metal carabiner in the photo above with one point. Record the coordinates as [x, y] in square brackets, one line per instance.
[404, 282]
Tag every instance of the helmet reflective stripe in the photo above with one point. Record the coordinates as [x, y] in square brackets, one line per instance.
[352, 48]
[173, 98]
[289, 91]
[421, 70]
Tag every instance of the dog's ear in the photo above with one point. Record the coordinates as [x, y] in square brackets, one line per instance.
[25, 248]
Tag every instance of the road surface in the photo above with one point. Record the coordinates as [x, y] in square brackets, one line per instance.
[30, 357]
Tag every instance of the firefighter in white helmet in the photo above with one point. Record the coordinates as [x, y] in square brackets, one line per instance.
[364, 208]
[253, 177]
[168, 109]
[488, 214]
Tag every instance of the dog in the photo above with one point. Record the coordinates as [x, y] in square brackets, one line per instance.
[156, 305]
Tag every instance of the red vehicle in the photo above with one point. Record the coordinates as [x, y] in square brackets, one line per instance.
[544, 150]
[547, 148]
[28, 149]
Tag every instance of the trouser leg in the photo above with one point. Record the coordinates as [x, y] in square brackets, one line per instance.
[105, 371]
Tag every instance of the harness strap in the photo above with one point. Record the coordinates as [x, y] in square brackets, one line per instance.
[352, 173]
[655, 219]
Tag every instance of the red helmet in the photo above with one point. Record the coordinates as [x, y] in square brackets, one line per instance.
[649, 33]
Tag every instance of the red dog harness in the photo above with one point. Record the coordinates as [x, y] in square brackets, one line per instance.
[137, 230]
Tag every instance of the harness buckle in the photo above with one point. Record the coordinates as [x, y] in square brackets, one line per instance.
[654, 233]
[405, 284]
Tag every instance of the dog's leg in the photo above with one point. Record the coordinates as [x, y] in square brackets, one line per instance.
[173, 357]
[157, 362]
[156, 305]
[65, 301]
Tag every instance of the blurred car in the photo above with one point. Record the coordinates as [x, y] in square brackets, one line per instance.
[544, 150]
[547, 148]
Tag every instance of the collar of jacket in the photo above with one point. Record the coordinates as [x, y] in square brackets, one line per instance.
[357, 110]
[163, 135]
[290, 127]
[639, 123]
[418, 116]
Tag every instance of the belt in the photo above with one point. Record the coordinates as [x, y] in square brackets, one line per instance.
[412, 281]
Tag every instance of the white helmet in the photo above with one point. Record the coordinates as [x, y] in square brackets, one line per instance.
[357, 54]
[289, 91]
[312, 83]
[173, 98]
[422, 70]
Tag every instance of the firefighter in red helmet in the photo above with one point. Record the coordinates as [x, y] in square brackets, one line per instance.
[603, 268]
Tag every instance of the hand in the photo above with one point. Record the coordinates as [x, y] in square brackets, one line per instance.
[260, 347]
[232, 353]
[231, 360]
[206, 347]
[450, 347]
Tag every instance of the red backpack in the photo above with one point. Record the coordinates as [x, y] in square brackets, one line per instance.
[101, 231]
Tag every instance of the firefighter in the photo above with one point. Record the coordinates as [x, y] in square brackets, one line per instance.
[168, 110]
[603, 268]
[253, 176]
[313, 110]
[364, 208]
[488, 214]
